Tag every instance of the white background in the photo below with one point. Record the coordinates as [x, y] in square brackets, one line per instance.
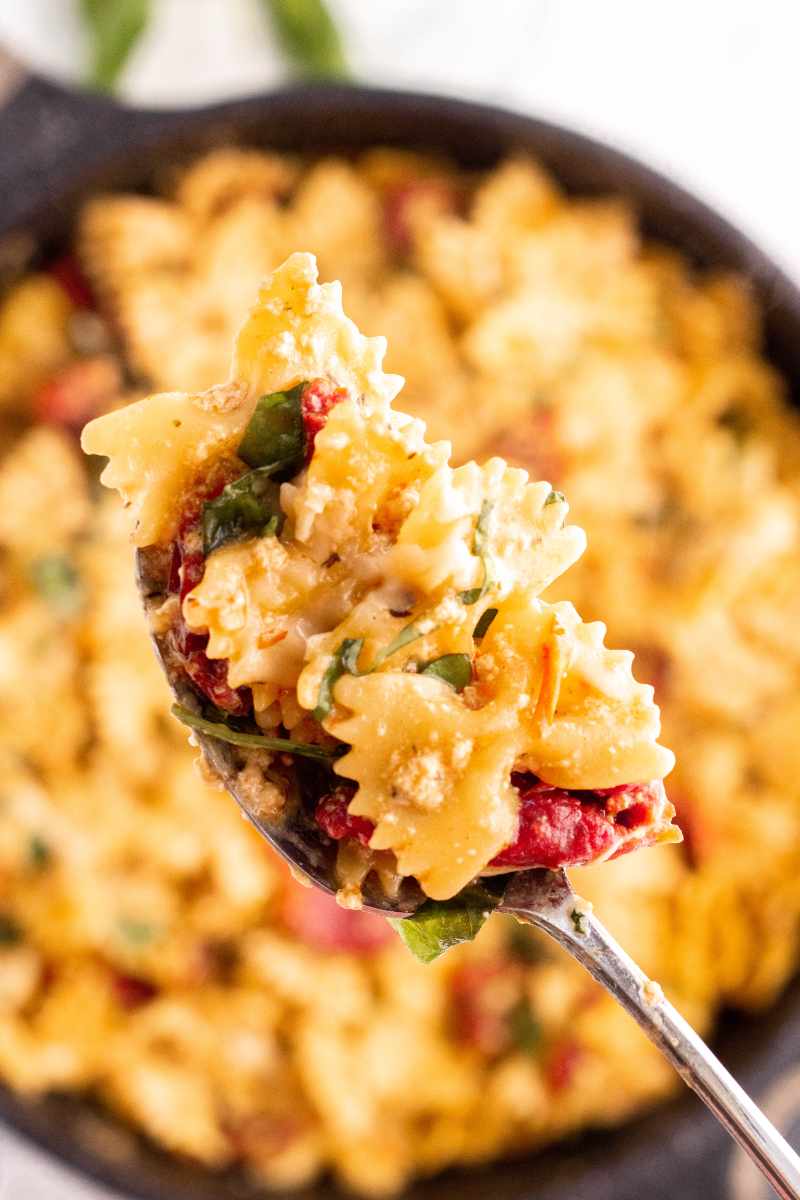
[705, 90]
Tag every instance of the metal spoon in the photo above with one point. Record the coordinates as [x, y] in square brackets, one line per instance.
[541, 898]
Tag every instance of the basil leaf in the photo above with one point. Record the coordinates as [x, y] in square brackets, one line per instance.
[480, 546]
[454, 669]
[275, 437]
[523, 945]
[248, 507]
[114, 28]
[255, 741]
[344, 662]
[39, 853]
[438, 925]
[57, 581]
[483, 624]
[10, 930]
[737, 421]
[309, 37]
[525, 1030]
[138, 933]
[407, 635]
[555, 498]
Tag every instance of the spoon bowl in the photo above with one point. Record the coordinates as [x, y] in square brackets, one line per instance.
[293, 834]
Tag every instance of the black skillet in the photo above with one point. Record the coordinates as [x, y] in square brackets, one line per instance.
[57, 147]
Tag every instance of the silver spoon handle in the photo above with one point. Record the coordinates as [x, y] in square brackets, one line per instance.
[585, 938]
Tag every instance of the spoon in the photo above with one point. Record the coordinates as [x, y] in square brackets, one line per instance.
[536, 897]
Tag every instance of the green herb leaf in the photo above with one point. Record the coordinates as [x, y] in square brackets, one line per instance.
[248, 507]
[580, 921]
[57, 581]
[39, 852]
[138, 933]
[480, 546]
[407, 635]
[483, 624]
[10, 930]
[309, 37]
[523, 944]
[344, 662]
[275, 437]
[114, 27]
[555, 498]
[441, 924]
[525, 1030]
[737, 421]
[255, 741]
[454, 669]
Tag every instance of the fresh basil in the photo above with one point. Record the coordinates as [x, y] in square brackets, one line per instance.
[343, 662]
[275, 437]
[580, 920]
[309, 37]
[480, 547]
[255, 741]
[138, 933]
[523, 944]
[737, 421]
[114, 27]
[56, 579]
[10, 930]
[407, 635]
[39, 853]
[525, 1030]
[438, 925]
[248, 507]
[454, 669]
[555, 498]
[482, 627]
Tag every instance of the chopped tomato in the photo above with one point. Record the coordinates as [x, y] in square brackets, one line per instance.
[402, 203]
[557, 828]
[72, 279]
[532, 444]
[333, 817]
[318, 399]
[318, 921]
[562, 1064]
[132, 992]
[209, 675]
[78, 392]
[482, 996]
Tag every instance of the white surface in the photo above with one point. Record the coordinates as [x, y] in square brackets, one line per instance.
[705, 90]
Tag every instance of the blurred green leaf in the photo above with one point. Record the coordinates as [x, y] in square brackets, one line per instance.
[114, 28]
[309, 37]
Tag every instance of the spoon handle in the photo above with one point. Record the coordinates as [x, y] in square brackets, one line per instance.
[549, 903]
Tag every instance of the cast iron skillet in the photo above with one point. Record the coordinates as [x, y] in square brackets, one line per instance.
[55, 148]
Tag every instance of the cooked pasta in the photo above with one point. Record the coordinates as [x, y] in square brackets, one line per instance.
[373, 544]
[152, 951]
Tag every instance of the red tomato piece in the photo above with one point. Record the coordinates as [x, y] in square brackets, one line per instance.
[318, 921]
[482, 995]
[436, 196]
[562, 1064]
[132, 992]
[317, 400]
[78, 392]
[332, 816]
[68, 273]
[557, 828]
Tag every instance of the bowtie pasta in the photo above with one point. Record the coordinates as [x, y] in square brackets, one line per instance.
[340, 589]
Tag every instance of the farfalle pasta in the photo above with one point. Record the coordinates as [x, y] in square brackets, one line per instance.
[342, 590]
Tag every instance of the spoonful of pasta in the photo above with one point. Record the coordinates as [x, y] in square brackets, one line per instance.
[355, 635]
